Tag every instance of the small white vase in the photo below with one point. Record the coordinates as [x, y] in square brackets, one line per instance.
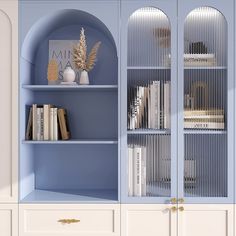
[84, 78]
[68, 75]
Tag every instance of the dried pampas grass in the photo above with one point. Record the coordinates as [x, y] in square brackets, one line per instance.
[80, 54]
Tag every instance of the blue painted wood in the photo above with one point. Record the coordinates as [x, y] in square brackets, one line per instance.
[71, 196]
[70, 87]
[228, 12]
[71, 142]
[88, 170]
[127, 8]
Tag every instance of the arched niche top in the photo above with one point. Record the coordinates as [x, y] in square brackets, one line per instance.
[50, 23]
[205, 32]
[149, 37]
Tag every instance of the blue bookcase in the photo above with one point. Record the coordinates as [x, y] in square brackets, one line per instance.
[86, 167]
[177, 57]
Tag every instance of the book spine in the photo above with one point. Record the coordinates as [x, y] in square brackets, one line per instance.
[203, 125]
[143, 172]
[51, 126]
[204, 117]
[46, 121]
[38, 124]
[55, 124]
[130, 170]
[41, 124]
[137, 172]
[34, 128]
[28, 135]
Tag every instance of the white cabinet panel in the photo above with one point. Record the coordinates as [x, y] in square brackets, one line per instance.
[66, 220]
[206, 220]
[154, 220]
[8, 220]
[8, 100]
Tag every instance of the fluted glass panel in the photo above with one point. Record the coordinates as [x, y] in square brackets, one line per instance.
[205, 167]
[149, 161]
[148, 103]
[205, 103]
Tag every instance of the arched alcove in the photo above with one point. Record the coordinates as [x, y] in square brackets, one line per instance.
[205, 103]
[66, 25]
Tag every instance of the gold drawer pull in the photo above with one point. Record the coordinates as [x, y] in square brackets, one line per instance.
[173, 209]
[68, 221]
[181, 208]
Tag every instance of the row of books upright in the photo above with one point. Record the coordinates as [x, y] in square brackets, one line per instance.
[47, 122]
[149, 106]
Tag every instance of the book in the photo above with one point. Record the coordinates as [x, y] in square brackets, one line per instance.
[34, 121]
[51, 126]
[204, 125]
[29, 131]
[143, 172]
[204, 112]
[46, 121]
[41, 124]
[137, 171]
[166, 105]
[63, 124]
[38, 124]
[130, 171]
[55, 124]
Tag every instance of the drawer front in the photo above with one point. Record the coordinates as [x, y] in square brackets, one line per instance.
[67, 220]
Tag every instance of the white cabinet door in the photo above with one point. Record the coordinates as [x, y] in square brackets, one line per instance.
[148, 219]
[8, 220]
[69, 220]
[8, 100]
[206, 220]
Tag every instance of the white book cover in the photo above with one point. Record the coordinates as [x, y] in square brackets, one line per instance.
[41, 124]
[130, 171]
[51, 125]
[204, 125]
[38, 124]
[137, 171]
[166, 105]
[55, 124]
[46, 121]
[144, 171]
[153, 110]
[34, 128]
[157, 105]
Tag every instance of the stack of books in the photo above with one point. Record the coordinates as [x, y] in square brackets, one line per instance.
[204, 119]
[198, 59]
[47, 122]
[195, 59]
[149, 106]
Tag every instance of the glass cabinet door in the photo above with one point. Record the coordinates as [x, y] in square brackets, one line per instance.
[148, 104]
[205, 101]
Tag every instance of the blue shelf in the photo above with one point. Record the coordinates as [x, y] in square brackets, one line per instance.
[197, 131]
[71, 196]
[205, 68]
[148, 67]
[71, 142]
[70, 87]
[148, 131]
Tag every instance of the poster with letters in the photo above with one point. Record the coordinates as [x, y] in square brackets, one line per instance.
[62, 52]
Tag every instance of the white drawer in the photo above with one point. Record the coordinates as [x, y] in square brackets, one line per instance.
[67, 220]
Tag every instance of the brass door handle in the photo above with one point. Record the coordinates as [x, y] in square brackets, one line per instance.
[174, 209]
[173, 200]
[181, 208]
[68, 221]
[180, 200]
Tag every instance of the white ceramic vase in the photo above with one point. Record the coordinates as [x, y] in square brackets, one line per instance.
[68, 75]
[84, 78]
